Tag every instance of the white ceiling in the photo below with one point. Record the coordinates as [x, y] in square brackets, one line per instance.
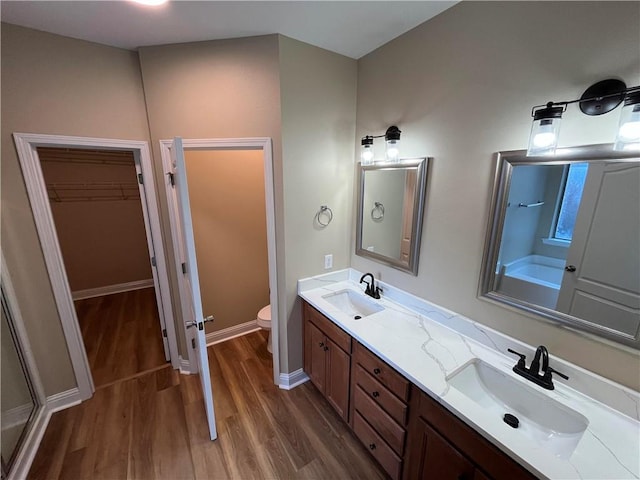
[350, 28]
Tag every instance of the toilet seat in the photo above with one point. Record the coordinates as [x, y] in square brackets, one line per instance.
[264, 317]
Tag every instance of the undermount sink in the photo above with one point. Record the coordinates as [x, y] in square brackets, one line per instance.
[542, 419]
[352, 303]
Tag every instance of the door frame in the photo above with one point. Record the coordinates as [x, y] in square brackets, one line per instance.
[26, 145]
[253, 143]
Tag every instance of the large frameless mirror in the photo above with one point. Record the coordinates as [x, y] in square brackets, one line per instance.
[563, 239]
[390, 210]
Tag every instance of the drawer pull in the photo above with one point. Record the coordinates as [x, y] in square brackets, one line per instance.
[372, 446]
[376, 371]
[375, 394]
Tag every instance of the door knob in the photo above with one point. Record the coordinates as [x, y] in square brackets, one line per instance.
[190, 324]
[570, 268]
[208, 319]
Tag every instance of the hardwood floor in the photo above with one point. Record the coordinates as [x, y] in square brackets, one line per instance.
[154, 427]
[121, 334]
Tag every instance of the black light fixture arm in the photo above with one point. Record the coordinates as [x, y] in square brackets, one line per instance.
[599, 98]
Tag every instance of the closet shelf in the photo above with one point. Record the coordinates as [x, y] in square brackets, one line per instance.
[92, 191]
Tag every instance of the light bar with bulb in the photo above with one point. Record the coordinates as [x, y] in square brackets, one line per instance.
[601, 97]
[392, 146]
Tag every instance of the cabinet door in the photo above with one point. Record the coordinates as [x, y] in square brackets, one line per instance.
[338, 374]
[317, 356]
[432, 457]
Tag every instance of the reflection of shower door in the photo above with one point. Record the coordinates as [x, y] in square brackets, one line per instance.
[602, 281]
[19, 400]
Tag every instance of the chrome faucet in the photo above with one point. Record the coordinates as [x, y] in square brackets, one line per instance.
[371, 289]
[540, 375]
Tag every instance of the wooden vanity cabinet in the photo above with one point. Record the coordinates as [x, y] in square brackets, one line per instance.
[409, 433]
[440, 446]
[327, 358]
[379, 406]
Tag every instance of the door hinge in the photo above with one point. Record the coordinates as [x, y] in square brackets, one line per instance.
[140, 178]
[172, 178]
[184, 268]
[164, 332]
[193, 343]
[153, 261]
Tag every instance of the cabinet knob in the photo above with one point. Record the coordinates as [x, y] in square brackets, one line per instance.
[326, 348]
[372, 446]
[376, 371]
[570, 268]
[321, 344]
[375, 394]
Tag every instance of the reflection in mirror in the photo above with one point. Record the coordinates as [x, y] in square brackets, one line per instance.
[390, 206]
[564, 239]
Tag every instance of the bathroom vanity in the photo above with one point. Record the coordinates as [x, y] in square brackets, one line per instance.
[426, 390]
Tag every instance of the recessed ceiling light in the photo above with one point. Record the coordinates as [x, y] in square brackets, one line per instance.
[150, 3]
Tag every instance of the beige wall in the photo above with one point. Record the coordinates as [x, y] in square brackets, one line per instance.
[318, 91]
[101, 234]
[216, 89]
[226, 193]
[55, 85]
[461, 87]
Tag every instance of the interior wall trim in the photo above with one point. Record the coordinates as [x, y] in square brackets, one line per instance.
[265, 144]
[62, 400]
[26, 146]
[111, 289]
[232, 332]
[291, 380]
[186, 368]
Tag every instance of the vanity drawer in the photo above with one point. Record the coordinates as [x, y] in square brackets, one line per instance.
[382, 372]
[379, 420]
[391, 404]
[330, 329]
[391, 463]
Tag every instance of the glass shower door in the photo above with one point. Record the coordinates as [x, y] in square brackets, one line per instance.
[17, 396]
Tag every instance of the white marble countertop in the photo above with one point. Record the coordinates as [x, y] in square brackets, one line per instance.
[427, 343]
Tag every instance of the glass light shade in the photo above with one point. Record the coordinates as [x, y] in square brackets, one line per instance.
[393, 150]
[366, 151]
[628, 137]
[544, 137]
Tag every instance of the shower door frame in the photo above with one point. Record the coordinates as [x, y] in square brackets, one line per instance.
[31, 440]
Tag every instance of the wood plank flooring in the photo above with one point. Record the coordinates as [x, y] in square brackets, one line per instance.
[121, 334]
[154, 427]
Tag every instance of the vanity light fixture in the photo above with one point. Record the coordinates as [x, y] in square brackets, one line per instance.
[601, 97]
[392, 140]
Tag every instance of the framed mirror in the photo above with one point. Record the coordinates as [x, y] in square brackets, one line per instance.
[563, 239]
[391, 200]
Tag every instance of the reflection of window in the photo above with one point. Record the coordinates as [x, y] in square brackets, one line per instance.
[570, 202]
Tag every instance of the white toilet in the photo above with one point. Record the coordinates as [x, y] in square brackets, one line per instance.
[264, 321]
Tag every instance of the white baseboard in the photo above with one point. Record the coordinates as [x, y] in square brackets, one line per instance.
[16, 416]
[232, 332]
[185, 366]
[111, 289]
[291, 380]
[63, 400]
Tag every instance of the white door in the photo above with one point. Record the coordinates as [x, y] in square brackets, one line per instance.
[190, 271]
[602, 278]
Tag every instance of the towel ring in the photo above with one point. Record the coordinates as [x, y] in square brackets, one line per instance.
[377, 213]
[326, 211]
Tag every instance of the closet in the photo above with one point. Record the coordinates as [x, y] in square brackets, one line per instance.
[96, 206]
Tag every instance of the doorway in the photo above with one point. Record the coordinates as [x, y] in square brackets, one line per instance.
[97, 211]
[230, 151]
[140, 188]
